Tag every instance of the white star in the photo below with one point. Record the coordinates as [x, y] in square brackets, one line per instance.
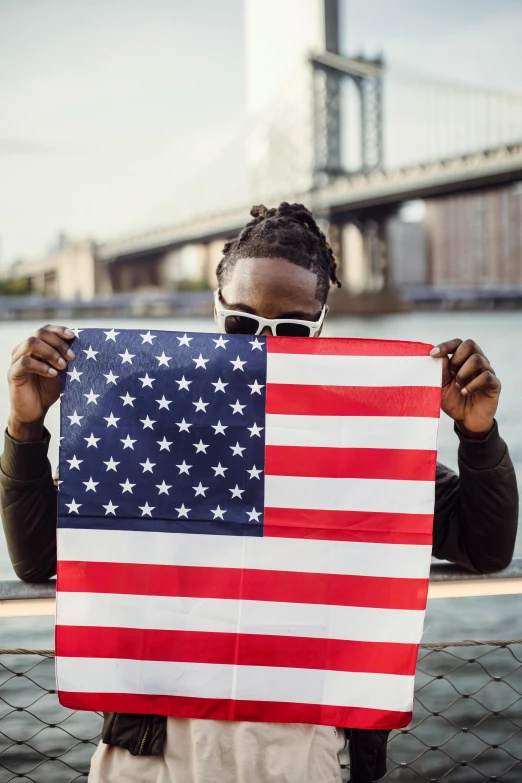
[147, 466]
[183, 384]
[73, 507]
[184, 341]
[237, 407]
[163, 359]
[74, 462]
[110, 508]
[111, 378]
[77, 332]
[201, 447]
[92, 441]
[219, 470]
[254, 472]
[220, 386]
[91, 397]
[253, 516]
[146, 509]
[255, 430]
[147, 338]
[147, 423]
[164, 403]
[75, 419]
[111, 464]
[200, 489]
[111, 420]
[220, 343]
[127, 486]
[182, 511]
[184, 468]
[237, 450]
[90, 353]
[200, 362]
[218, 512]
[236, 492]
[90, 484]
[219, 428]
[200, 405]
[238, 364]
[75, 375]
[256, 344]
[127, 442]
[111, 335]
[146, 381]
[183, 426]
[126, 358]
[256, 387]
[163, 488]
[164, 444]
[127, 399]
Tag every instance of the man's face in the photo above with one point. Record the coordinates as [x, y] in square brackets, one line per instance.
[272, 288]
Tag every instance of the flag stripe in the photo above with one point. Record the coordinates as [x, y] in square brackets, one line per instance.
[293, 555]
[347, 494]
[225, 709]
[174, 613]
[340, 346]
[229, 648]
[378, 528]
[352, 432]
[321, 370]
[389, 464]
[318, 400]
[249, 584]
[218, 681]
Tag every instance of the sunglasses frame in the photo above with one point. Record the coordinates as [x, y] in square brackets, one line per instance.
[223, 313]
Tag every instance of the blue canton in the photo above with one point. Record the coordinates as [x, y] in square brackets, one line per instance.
[164, 431]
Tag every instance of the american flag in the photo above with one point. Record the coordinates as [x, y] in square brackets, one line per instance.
[244, 526]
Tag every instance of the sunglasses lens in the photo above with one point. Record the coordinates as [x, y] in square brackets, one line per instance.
[292, 330]
[240, 324]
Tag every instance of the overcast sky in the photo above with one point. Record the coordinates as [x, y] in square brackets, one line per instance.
[118, 115]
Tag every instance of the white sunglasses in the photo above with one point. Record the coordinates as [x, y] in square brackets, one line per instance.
[237, 322]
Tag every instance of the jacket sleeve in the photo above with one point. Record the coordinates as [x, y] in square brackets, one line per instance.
[28, 503]
[476, 512]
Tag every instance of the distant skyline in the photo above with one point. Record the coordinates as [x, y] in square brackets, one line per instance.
[120, 115]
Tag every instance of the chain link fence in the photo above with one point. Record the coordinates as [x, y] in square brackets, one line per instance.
[466, 728]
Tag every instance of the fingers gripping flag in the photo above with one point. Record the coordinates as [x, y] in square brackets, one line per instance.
[244, 526]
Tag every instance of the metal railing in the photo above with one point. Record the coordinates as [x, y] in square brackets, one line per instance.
[466, 727]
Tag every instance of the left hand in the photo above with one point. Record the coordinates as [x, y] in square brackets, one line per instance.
[470, 388]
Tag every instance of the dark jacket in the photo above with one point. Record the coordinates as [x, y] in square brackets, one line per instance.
[475, 525]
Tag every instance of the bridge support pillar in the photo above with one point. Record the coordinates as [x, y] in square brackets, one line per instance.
[363, 256]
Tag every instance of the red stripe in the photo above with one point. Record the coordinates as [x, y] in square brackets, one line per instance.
[319, 462]
[340, 346]
[225, 709]
[230, 648]
[353, 400]
[374, 527]
[247, 584]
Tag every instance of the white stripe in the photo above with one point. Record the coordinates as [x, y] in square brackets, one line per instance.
[221, 615]
[272, 554]
[256, 683]
[348, 494]
[352, 432]
[353, 370]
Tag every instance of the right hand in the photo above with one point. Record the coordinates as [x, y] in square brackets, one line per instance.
[34, 382]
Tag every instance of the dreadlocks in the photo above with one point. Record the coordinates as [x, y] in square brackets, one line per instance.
[287, 231]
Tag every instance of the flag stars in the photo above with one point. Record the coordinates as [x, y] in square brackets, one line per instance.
[127, 399]
[74, 463]
[184, 341]
[163, 488]
[147, 423]
[146, 381]
[254, 472]
[237, 364]
[237, 450]
[200, 405]
[163, 360]
[200, 447]
[76, 332]
[146, 510]
[164, 444]
[90, 485]
[237, 407]
[111, 378]
[111, 335]
[147, 466]
[126, 358]
[220, 386]
[111, 420]
[219, 429]
[219, 470]
[127, 486]
[184, 468]
[256, 345]
[183, 384]
[218, 512]
[128, 442]
[90, 353]
[74, 375]
[236, 492]
[91, 397]
[111, 465]
[110, 508]
[221, 342]
[164, 403]
[255, 430]
[75, 419]
[255, 387]
[182, 511]
[183, 426]
[73, 506]
[200, 489]
[253, 516]
[200, 362]
[147, 338]
[92, 441]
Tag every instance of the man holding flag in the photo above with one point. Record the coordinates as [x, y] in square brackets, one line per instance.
[273, 280]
